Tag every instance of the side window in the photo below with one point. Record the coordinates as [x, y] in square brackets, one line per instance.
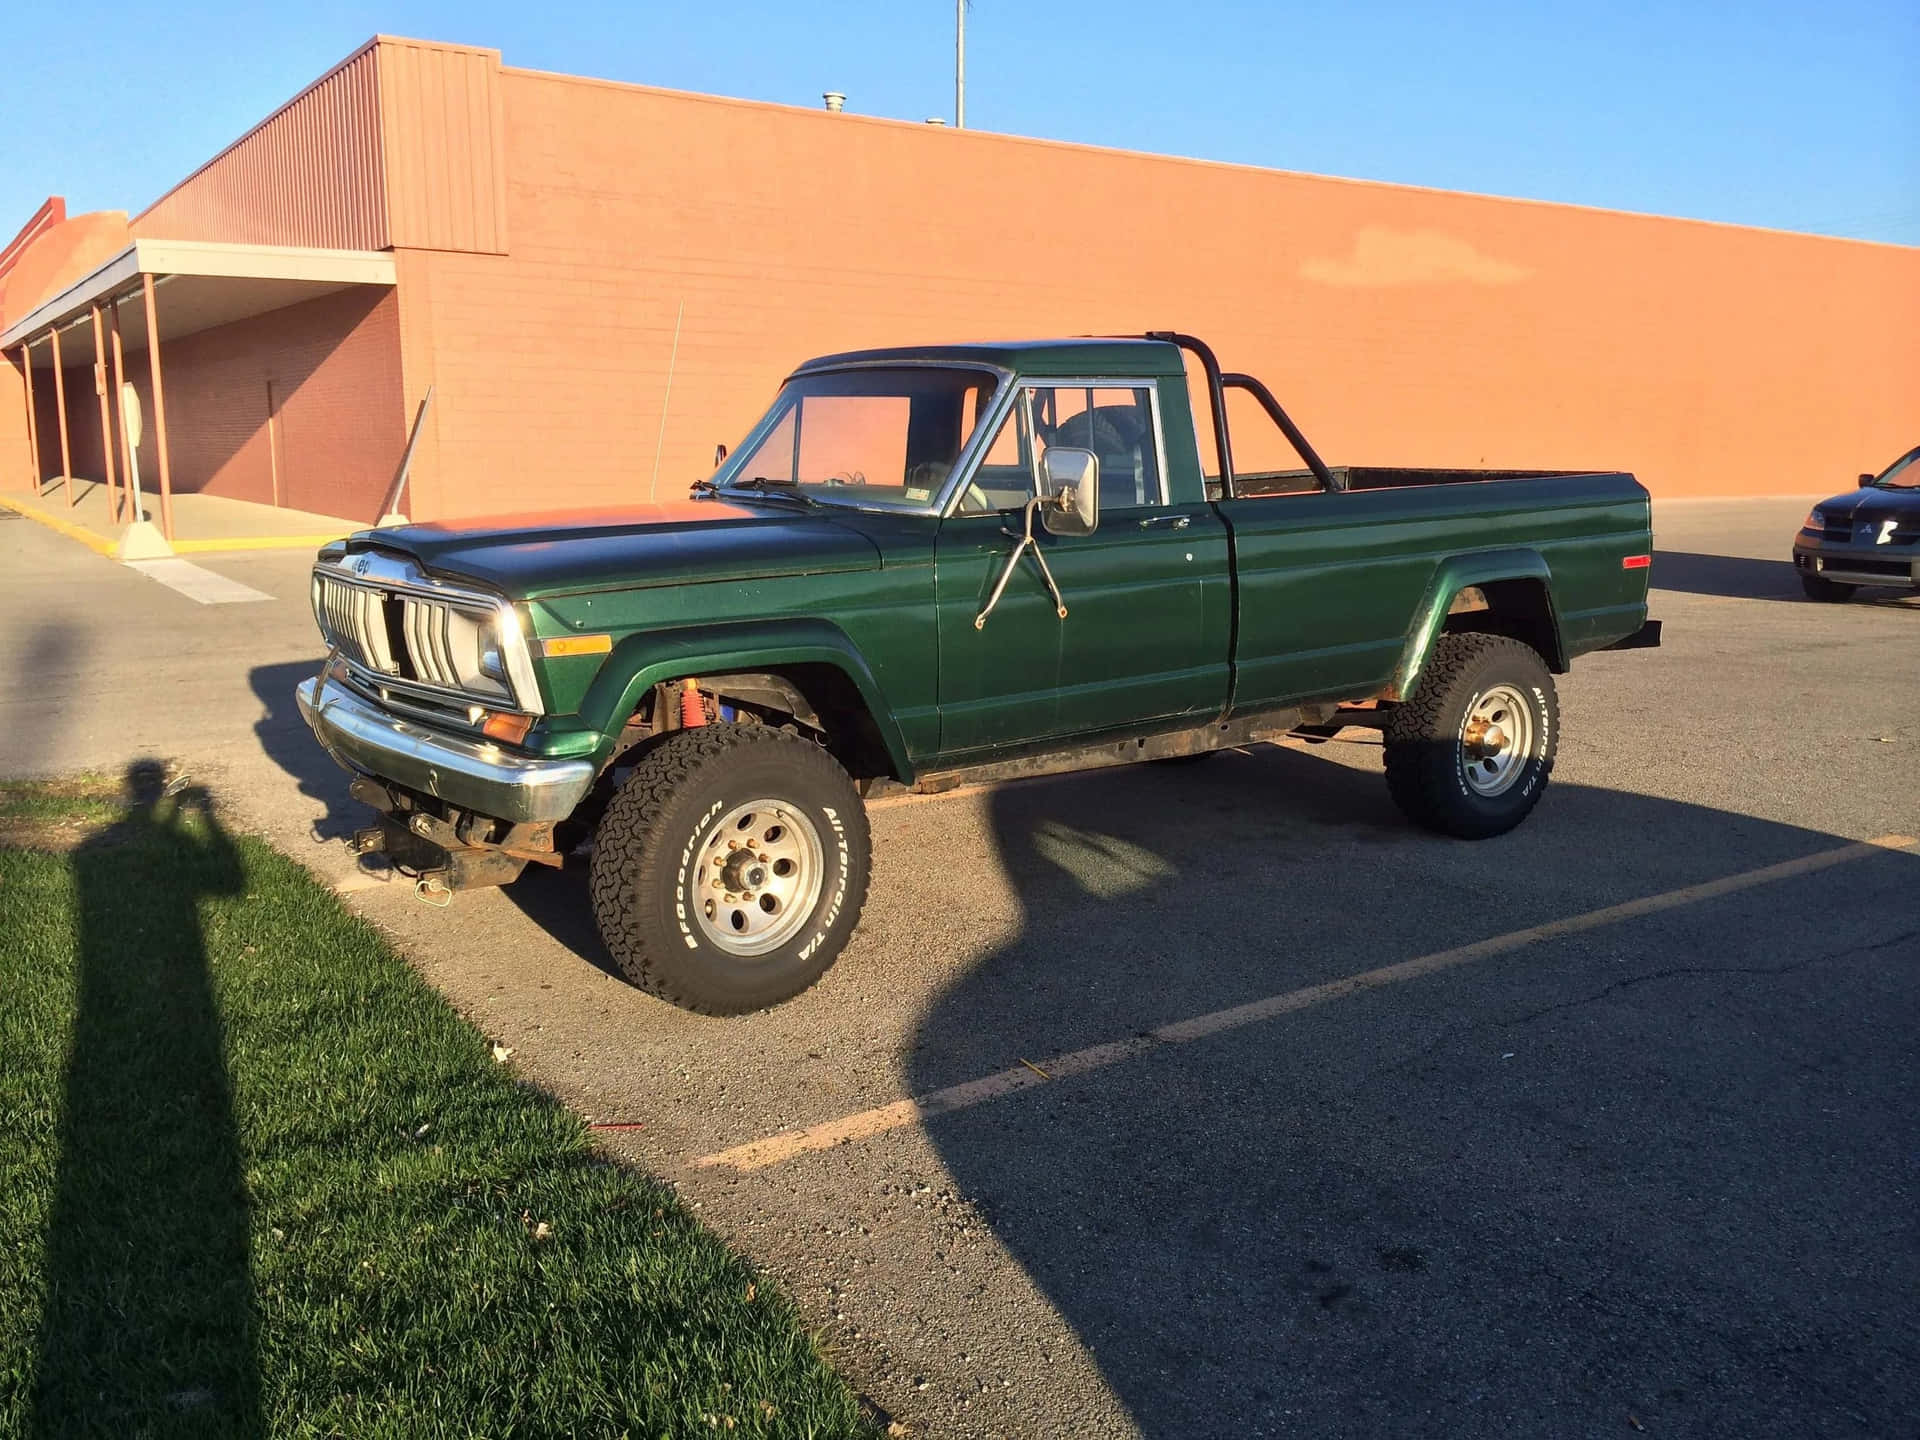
[1116, 424]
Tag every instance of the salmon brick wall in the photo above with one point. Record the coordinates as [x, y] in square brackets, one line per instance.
[1400, 326]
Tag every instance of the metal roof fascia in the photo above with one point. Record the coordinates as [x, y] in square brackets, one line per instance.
[205, 258]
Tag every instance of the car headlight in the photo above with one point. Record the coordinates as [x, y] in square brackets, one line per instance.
[1815, 521]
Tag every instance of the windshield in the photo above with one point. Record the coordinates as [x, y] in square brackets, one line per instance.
[882, 438]
[1903, 474]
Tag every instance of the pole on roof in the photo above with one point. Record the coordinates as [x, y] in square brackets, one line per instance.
[959, 64]
[60, 408]
[159, 409]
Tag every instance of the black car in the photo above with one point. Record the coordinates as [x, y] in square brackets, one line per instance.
[1870, 537]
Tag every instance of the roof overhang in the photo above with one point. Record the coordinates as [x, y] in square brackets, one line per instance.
[207, 284]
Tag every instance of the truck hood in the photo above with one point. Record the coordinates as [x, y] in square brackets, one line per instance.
[560, 552]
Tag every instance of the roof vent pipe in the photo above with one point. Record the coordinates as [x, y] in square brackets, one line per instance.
[836, 102]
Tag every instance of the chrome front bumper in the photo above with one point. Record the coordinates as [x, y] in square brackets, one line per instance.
[474, 775]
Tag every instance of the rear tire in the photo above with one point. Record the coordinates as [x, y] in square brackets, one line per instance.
[1828, 590]
[1469, 752]
[730, 868]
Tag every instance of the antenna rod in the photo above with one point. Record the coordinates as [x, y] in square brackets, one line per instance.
[959, 64]
[661, 439]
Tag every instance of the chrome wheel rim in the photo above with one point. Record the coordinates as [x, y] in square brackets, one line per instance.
[1495, 740]
[758, 876]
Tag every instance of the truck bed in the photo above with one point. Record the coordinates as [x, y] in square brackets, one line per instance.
[1327, 584]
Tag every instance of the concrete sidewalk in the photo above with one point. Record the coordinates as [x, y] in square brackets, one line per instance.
[202, 524]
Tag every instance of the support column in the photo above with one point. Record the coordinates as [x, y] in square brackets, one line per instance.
[159, 410]
[60, 405]
[120, 408]
[33, 417]
[106, 418]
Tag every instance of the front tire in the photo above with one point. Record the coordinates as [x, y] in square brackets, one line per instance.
[730, 868]
[1469, 752]
[1818, 588]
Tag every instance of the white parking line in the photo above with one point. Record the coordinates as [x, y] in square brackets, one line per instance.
[196, 583]
[788, 1144]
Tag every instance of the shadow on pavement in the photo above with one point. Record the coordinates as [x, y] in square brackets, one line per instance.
[1662, 1171]
[288, 742]
[1741, 578]
[1730, 575]
[148, 1325]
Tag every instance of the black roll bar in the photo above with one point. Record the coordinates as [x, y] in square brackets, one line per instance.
[1216, 393]
[1259, 391]
[1217, 384]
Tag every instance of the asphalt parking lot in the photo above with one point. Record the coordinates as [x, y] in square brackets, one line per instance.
[1562, 1164]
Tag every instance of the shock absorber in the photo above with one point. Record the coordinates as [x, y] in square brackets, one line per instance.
[692, 712]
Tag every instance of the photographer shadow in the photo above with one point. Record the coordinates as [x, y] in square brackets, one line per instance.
[149, 1321]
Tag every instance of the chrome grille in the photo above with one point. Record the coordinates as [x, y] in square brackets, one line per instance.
[430, 641]
[405, 632]
[355, 621]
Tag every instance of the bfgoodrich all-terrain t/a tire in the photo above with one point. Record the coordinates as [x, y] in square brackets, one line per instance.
[730, 868]
[1469, 752]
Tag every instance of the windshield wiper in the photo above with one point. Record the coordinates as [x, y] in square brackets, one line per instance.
[779, 489]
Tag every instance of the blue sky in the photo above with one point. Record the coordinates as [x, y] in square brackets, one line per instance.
[1802, 117]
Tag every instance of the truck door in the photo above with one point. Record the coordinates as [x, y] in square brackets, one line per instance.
[1146, 632]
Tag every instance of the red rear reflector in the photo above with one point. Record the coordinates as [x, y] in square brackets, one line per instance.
[1636, 562]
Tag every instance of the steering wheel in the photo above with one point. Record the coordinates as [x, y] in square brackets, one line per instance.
[847, 477]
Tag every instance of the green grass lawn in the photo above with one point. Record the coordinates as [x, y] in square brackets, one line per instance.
[257, 1178]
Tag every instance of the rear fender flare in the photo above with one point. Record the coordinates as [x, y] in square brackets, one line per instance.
[1454, 575]
[653, 657]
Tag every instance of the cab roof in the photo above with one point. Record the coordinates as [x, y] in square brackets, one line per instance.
[1088, 356]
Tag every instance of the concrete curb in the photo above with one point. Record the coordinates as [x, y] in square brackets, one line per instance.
[102, 545]
[260, 542]
[99, 544]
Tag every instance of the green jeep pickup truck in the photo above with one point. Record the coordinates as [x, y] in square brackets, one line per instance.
[931, 565]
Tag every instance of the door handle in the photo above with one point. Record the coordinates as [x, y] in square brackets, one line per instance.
[1172, 522]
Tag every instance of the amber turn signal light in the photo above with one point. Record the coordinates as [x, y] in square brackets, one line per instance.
[510, 728]
[576, 645]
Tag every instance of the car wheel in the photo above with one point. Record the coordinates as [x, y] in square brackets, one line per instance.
[1469, 752]
[730, 868]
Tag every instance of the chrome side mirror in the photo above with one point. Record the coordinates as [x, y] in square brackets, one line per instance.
[1071, 504]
